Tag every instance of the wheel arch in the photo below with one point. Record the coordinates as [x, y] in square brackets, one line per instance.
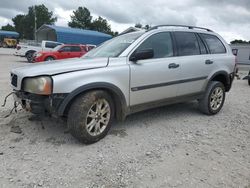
[50, 56]
[223, 77]
[32, 51]
[121, 108]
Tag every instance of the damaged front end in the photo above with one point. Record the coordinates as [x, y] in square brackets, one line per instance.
[35, 94]
[39, 104]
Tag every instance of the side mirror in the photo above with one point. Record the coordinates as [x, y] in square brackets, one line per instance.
[60, 51]
[142, 54]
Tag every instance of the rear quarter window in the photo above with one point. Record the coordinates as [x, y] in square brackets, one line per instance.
[214, 44]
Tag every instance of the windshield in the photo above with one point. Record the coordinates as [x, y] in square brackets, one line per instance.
[57, 47]
[115, 46]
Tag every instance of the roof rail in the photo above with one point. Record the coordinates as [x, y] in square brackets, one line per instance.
[188, 26]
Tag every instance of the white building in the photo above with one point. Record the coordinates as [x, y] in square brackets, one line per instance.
[242, 51]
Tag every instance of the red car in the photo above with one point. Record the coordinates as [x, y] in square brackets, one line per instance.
[62, 52]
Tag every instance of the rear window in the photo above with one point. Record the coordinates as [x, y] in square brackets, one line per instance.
[214, 44]
[187, 43]
[51, 44]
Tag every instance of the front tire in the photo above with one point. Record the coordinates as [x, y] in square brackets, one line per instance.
[90, 116]
[214, 98]
[49, 58]
[29, 56]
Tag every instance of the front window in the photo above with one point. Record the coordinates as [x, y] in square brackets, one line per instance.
[161, 43]
[57, 48]
[115, 46]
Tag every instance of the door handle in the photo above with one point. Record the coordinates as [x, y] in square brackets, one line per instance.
[173, 66]
[208, 62]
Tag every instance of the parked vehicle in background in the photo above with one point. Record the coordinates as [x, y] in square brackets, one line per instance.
[247, 78]
[129, 73]
[8, 43]
[242, 52]
[62, 52]
[27, 50]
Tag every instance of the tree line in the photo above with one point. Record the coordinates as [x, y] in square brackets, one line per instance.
[25, 24]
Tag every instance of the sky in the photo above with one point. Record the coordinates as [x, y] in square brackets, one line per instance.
[229, 18]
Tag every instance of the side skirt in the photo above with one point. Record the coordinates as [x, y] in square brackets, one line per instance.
[164, 102]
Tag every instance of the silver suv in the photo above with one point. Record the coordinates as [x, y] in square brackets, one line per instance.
[130, 73]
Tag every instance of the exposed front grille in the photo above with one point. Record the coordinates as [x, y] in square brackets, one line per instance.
[14, 79]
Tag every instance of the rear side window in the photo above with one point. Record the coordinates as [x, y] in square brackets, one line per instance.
[51, 44]
[75, 49]
[187, 43]
[161, 43]
[214, 44]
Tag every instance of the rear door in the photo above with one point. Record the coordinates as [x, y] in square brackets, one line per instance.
[195, 63]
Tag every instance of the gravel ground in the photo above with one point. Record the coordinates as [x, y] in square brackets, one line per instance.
[173, 146]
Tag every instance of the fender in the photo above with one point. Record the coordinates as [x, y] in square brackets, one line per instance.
[119, 98]
[224, 73]
[50, 55]
[229, 78]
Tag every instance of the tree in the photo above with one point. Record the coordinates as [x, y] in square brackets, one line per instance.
[25, 24]
[18, 21]
[8, 27]
[239, 41]
[81, 18]
[138, 25]
[101, 25]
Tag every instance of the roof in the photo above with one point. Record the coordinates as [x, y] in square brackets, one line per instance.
[9, 33]
[75, 35]
[130, 29]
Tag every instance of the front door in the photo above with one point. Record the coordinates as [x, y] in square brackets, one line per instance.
[154, 79]
[64, 52]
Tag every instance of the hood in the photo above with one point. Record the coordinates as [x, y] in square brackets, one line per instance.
[59, 66]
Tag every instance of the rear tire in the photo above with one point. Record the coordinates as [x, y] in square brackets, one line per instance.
[249, 78]
[214, 98]
[90, 116]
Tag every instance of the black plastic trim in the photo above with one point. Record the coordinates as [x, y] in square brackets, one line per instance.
[167, 83]
[164, 102]
[119, 98]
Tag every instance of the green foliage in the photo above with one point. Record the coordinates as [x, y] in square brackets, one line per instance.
[18, 21]
[82, 18]
[8, 27]
[239, 41]
[25, 24]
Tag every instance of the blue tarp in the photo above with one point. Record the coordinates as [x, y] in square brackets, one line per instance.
[9, 34]
[80, 36]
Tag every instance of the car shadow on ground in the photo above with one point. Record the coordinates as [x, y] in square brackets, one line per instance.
[54, 130]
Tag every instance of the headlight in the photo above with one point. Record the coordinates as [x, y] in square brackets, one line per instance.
[38, 85]
[38, 54]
